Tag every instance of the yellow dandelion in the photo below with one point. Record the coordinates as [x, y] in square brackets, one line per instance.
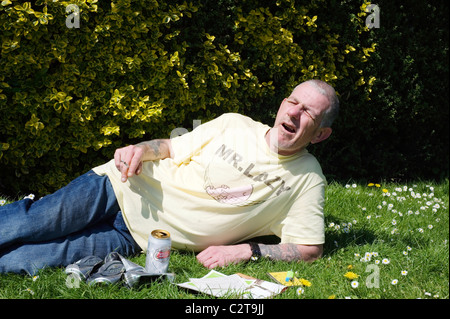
[351, 275]
[332, 297]
[350, 267]
[305, 282]
[377, 185]
[370, 184]
[385, 190]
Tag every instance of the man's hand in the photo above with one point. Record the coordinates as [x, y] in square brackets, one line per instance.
[129, 159]
[219, 256]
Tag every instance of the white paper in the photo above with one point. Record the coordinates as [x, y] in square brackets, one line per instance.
[220, 285]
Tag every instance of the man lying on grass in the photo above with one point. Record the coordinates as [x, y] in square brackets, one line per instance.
[227, 181]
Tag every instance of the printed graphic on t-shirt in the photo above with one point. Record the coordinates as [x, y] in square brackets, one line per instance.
[239, 187]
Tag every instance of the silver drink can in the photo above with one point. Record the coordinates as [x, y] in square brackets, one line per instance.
[158, 252]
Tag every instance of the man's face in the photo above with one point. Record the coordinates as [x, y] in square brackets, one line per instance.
[298, 121]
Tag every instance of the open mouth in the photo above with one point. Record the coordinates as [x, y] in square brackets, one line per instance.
[289, 128]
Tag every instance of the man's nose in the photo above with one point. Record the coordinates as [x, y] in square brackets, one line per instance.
[294, 111]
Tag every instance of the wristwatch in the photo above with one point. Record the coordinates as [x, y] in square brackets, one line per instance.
[256, 252]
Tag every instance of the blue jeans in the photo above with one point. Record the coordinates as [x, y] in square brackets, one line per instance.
[79, 220]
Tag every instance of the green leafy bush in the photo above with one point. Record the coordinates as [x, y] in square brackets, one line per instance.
[136, 70]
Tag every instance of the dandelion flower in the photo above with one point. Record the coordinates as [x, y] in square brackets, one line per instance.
[385, 190]
[370, 184]
[332, 297]
[355, 284]
[351, 275]
[305, 282]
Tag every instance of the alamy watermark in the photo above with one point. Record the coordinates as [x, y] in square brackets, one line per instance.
[373, 19]
[73, 19]
[373, 279]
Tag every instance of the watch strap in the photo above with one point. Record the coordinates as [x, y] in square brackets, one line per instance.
[256, 251]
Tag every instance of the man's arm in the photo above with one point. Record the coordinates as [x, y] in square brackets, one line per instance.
[129, 159]
[219, 256]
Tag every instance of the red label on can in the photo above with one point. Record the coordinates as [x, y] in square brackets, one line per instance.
[162, 254]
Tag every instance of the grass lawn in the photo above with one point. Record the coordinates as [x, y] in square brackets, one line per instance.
[386, 241]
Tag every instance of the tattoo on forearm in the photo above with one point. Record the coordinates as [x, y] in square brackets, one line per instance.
[155, 146]
[285, 252]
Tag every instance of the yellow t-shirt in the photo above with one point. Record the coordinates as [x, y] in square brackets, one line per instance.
[224, 185]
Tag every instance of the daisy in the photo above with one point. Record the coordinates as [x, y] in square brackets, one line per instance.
[355, 284]
[385, 261]
[300, 291]
[394, 282]
[404, 272]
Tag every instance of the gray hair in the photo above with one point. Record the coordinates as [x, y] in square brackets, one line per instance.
[328, 91]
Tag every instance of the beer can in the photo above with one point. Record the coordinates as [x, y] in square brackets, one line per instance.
[158, 252]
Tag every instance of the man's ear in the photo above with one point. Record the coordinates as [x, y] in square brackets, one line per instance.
[322, 134]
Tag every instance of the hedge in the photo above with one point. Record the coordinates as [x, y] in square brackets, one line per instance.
[135, 70]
